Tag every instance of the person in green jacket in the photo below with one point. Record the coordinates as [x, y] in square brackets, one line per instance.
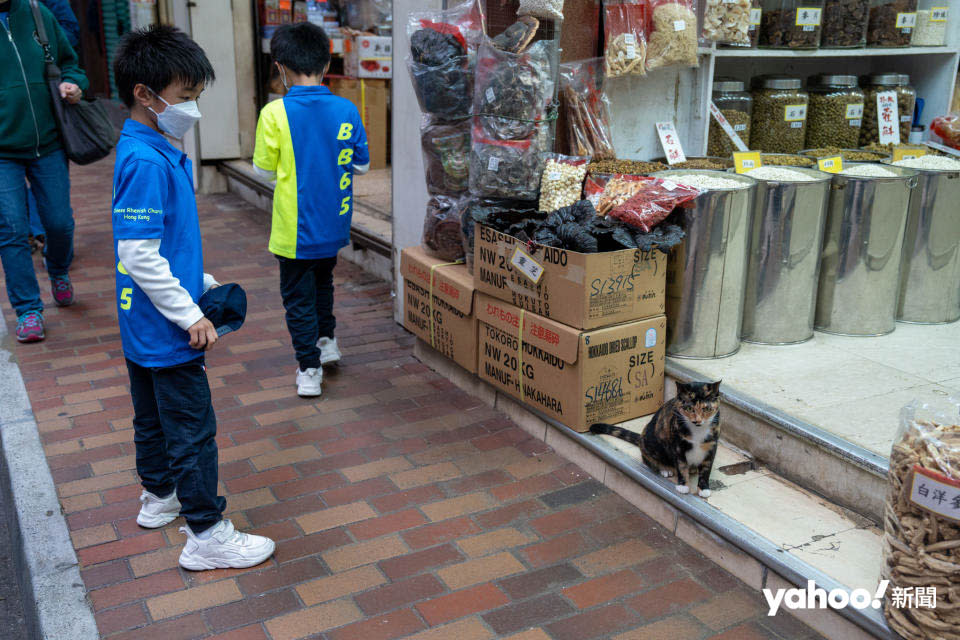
[30, 149]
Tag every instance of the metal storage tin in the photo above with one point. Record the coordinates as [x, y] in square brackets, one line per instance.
[930, 270]
[860, 261]
[706, 274]
[784, 259]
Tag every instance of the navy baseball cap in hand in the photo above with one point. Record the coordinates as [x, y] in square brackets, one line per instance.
[225, 306]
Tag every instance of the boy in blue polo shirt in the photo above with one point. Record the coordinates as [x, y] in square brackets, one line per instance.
[160, 73]
[312, 143]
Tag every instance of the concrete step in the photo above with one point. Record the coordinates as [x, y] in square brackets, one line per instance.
[815, 459]
[764, 529]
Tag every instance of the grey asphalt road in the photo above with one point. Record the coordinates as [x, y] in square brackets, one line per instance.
[12, 625]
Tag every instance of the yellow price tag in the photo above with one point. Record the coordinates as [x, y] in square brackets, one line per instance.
[908, 154]
[745, 161]
[831, 165]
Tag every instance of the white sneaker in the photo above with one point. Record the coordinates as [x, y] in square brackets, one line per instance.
[226, 548]
[157, 512]
[308, 382]
[329, 351]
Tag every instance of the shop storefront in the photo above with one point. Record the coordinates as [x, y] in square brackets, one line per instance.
[647, 193]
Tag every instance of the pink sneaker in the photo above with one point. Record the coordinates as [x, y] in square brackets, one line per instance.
[62, 291]
[30, 327]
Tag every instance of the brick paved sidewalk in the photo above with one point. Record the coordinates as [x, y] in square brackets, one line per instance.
[401, 505]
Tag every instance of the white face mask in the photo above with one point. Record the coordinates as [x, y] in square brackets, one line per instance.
[177, 119]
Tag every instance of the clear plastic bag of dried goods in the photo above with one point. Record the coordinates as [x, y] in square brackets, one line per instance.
[441, 228]
[504, 168]
[948, 128]
[562, 180]
[513, 91]
[446, 155]
[625, 46]
[672, 40]
[727, 21]
[443, 48]
[547, 9]
[643, 202]
[921, 542]
[587, 109]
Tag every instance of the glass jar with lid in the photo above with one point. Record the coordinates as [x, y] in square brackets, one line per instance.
[779, 121]
[845, 23]
[931, 29]
[835, 113]
[891, 23]
[736, 105]
[899, 84]
[791, 24]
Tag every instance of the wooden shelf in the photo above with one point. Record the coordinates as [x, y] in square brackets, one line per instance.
[826, 53]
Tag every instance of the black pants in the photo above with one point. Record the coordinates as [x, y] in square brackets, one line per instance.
[307, 290]
[173, 429]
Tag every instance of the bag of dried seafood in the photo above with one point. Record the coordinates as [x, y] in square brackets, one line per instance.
[921, 542]
[446, 155]
[562, 181]
[587, 109]
[673, 36]
[625, 51]
[504, 168]
[513, 91]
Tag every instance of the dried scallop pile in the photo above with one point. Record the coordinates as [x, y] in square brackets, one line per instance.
[921, 549]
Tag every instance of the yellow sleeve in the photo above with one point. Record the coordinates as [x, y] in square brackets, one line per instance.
[267, 150]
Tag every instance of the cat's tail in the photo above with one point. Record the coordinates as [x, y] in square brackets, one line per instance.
[601, 428]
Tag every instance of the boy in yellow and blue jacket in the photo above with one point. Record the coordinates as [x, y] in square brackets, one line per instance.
[312, 143]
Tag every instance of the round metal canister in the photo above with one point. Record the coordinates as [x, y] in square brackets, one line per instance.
[930, 269]
[862, 247]
[706, 273]
[784, 259]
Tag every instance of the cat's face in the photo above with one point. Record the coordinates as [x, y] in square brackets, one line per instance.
[698, 401]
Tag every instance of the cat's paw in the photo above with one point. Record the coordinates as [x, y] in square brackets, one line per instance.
[704, 493]
[682, 488]
[666, 474]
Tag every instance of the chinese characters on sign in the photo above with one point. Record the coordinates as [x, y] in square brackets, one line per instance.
[527, 265]
[855, 114]
[914, 597]
[795, 114]
[670, 142]
[888, 118]
[808, 18]
[936, 493]
[938, 14]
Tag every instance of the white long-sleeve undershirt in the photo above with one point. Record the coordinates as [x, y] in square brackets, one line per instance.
[151, 272]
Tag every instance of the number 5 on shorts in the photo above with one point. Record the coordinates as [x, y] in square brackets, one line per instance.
[125, 299]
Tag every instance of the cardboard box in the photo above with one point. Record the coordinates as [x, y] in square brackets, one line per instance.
[369, 57]
[370, 98]
[454, 330]
[583, 290]
[578, 377]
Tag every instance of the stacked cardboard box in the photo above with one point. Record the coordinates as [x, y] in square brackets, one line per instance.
[371, 99]
[580, 337]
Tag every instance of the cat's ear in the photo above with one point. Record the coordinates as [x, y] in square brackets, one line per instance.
[715, 387]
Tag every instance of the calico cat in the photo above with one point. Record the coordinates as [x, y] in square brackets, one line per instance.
[681, 437]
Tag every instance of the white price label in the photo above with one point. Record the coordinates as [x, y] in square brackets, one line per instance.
[935, 492]
[906, 118]
[796, 125]
[888, 127]
[631, 52]
[553, 176]
[670, 142]
[493, 164]
[809, 27]
[906, 20]
[938, 14]
[809, 16]
[630, 39]
[526, 265]
[795, 112]
[739, 127]
[755, 15]
[854, 111]
[679, 25]
[730, 1]
[669, 185]
[727, 129]
[491, 96]
[856, 123]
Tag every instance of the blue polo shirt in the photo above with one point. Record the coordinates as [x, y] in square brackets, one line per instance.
[153, 198]
[311, 139]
